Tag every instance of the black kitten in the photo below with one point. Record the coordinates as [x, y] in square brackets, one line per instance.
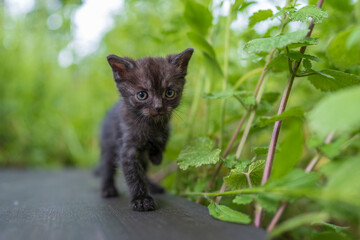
[136, 129]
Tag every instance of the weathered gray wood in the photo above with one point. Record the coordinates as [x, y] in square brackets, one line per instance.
[66, 205]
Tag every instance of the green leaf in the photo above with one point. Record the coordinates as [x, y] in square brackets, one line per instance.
[199, 152]
[237, 178]
[297, 178]
[338, 112]
[198, 17]
[310, 11]
[268, 44]
[307, 64]
[291, 150]
[334, 148]
[267, 202]
[259, 16]
[260, 150]
[201, 44]
[341, 56]
[333, 227]
[244, 97]
[296, 112]
[282, 11]
[270, 97]
[226, 94]
[353, 38]
[298, 221]
[227, 214]
[243, 199]
[338, 81]
[305, 42]
[296, 55]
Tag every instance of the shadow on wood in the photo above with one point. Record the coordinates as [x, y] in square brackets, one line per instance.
[66, 205]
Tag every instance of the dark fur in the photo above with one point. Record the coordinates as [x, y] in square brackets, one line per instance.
[135, 132]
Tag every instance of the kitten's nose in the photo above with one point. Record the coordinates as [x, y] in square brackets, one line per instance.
[158, 105]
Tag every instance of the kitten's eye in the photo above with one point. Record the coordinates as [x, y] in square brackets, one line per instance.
[142, 95]
[170, 93]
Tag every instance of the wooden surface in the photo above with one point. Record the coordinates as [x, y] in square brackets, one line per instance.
[66, 205]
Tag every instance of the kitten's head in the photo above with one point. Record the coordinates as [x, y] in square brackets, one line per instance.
[151, 87]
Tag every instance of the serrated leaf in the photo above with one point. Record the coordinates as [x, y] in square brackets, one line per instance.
[296, 112]
[296, 55]
[199, 152]
[305, 42]
[338, 81]
[310, 11]
[307, 64]
[341, 56]
[236, 179]
[268, 44]
[338, 112]
[243, 199]
[227, 214]
[282, 11]
[198, 17]
[242, 165]
[291, 150]
[333, 149]
[259, 16]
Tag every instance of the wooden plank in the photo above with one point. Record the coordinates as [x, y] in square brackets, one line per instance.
[66, 205]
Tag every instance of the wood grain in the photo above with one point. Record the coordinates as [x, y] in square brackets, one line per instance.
[66, 205]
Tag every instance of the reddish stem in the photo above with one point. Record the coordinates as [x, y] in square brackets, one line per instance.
[277, 126]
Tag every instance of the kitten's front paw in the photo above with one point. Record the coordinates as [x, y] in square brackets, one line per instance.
[156, 158]
[109, 191]
[143, 204]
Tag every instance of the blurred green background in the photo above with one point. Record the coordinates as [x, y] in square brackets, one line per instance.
[54, 91]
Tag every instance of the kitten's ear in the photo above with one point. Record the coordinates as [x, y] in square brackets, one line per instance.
[120, 66]
[181, 60]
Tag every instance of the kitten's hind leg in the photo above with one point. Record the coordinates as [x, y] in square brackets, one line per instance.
[108, 170]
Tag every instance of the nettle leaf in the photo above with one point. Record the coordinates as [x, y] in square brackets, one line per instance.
[227, 214]
[310, 11]
[291, 150]
[338, 112]
[307, 64]
[296, 55]
[296, 112]
[199, 152]
[268, 44]
[338, 81]
[243, 199]
[237, 178]
[341, 56]
[305, 42]
[282, 11]
[259, 16]
[198, 17]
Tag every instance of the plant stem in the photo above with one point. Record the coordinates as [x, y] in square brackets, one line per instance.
[308, 168]
[225, 79]
[277, 125]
